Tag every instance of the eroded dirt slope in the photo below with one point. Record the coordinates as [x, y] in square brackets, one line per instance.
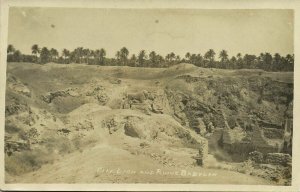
[60, 116]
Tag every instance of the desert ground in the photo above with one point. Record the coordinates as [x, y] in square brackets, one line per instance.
[77, 123]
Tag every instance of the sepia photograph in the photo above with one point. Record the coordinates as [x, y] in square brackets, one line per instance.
[149, 96]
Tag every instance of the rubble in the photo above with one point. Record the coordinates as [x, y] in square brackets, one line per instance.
[85, 125]
[16, 108]
[278, 159]
[15, 146]
[130, 130]
[17, 86]
[256, 157]
[99, 94]
[49, 97]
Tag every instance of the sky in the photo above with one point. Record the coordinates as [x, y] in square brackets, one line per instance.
[161, 30]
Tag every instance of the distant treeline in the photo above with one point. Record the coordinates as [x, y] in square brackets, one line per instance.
[43, 55]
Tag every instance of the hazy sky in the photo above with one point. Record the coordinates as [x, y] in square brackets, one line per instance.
[180, 31]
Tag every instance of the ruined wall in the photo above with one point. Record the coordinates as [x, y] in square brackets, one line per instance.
[278, 159]
[273, 133]
[147, 101]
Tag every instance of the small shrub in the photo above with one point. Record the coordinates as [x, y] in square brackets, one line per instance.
[27, 161]
[256, 157]
[247, 167]
[287, 172]
[11, 128]
[144, 144]
[31, 134]
[231, 120]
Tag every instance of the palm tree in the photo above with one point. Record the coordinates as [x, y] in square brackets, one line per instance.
[10, 49]
[45, 55]
[239, 56]
[233, 63]
[198, 60]
[168, 57]
[289, 62]
[172, 56]
[123, 55]
[77, 55]
[35, 50]
[66, 55]
[86, 53]
[10, 52]
[249, 61]
[261, 63]
[118, 56]
[266, 59]
[193, 59]
[80, 54]
[160, 60]
[53, 54]
[133, 60]
[224, 58]
[142, 58]
[96, 56]
[276, 65]
[17, 56]
[92, 57]
[290, 57]
[153, 59]
[188, 56]
[102, 54]
[177, 59]
[239, 61]
[210, 57]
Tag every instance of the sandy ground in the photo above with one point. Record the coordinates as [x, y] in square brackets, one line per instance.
[110, 162]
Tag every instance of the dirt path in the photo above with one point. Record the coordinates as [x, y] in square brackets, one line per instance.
[108, 164]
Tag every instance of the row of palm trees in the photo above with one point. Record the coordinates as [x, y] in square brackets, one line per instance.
[264, 61]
